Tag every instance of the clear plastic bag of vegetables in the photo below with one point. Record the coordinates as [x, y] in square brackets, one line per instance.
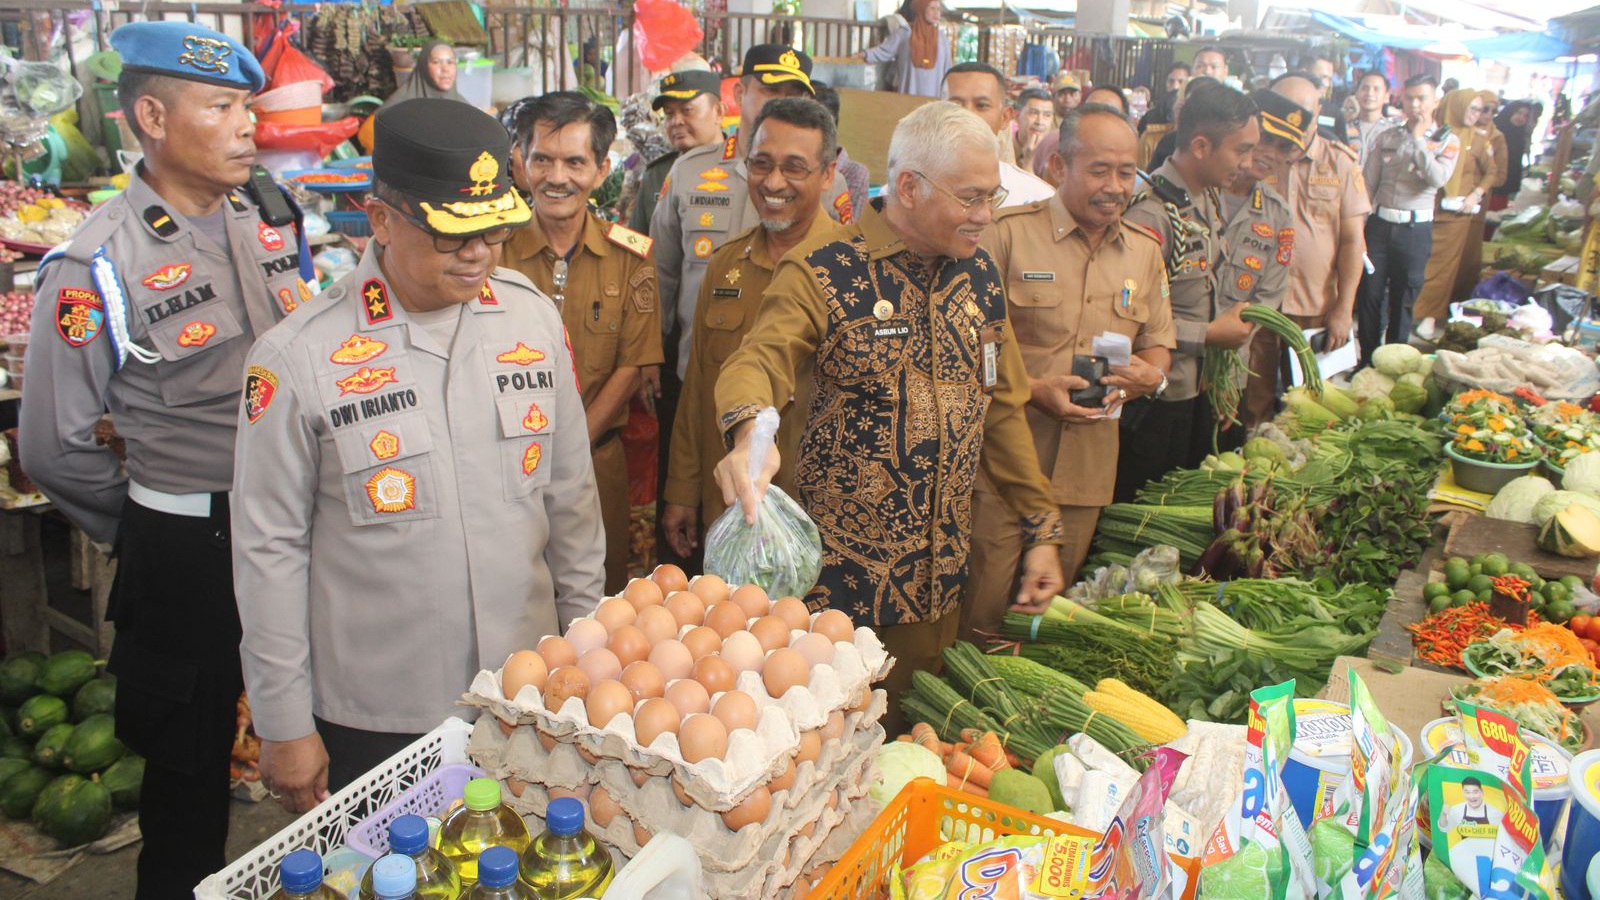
[782, 551]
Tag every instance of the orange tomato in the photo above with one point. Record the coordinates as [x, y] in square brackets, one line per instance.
[1590, 645]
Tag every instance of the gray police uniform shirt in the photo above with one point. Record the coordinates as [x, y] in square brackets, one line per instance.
[1367, 132]
[1404, 171]
[450, 492]
[1192, 244]
[1260, 242]
[705, 204]
[144, 316]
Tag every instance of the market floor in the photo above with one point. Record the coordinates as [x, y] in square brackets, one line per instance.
[110, 877]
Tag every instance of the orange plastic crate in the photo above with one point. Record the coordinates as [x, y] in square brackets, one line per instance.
[922, 816]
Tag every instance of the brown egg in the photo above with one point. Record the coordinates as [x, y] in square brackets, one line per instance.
[673, 659]
[810, 747]
[833, 727]
[629, 644]
[753, 600]
[750, 811]
[816, 648]
[669, 578]
[587, 756]
[643, 680]
[557, 652]
[785, 669]
[600, 665]
[657, 623]
[642, 592]
[585, 635]
[783, 780]
[615, 613]
[681, 794]
[581, 792]
[835, 624]
[862, 700]
[701, 641]
[548, 742]
[641, 834]
[522, 668]
[725, 619]
[771, 631]
[714, 674]
[736, 710]
[602, 808]
[710, 588]
[651, 718]
[567, 681]
[606, 700]
[515, 787]
[702, 737]
[742, 652]
[639, 776]
[505, 727]
[688, 696]
[809, 829]
[687, 608]
[793, 611]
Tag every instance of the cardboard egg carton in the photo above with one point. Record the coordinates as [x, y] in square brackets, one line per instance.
[753, 757]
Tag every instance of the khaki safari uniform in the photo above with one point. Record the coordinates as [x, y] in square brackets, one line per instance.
[449, 489]
[1061, 294]
[1450, 227]
[704, 204]
[613, 320]
[730, 297]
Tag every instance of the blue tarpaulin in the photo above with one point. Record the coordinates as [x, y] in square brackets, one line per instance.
[1528, 46]
[1353, 29]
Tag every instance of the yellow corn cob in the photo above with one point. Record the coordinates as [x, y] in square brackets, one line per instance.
[1148, 709]
[32, 213]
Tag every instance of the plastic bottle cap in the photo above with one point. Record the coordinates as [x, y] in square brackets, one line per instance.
[301, 872]
[394, 876]
[564, 817]
[497, 867]
[408, 834]
[482, 793]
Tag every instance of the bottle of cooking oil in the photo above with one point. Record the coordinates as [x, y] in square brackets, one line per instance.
[436, 877]
[394, 877]
[497, 877]
[483, 822]
[300, 878]
[565, 862]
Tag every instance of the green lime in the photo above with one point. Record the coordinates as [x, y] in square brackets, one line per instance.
[1537, 601]
[1463, 597]
[1242, 876]
[1556, 592]
[1476, 568]
[1480, 583]
[1572, 582]
[1558, 611]
[1435, 589]
[1495, 565]
[1536, 583]
[1456, 573]
[1483, 596]
[1439, 603]
[1523, 571]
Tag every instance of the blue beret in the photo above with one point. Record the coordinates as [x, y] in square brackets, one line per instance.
[188, 51]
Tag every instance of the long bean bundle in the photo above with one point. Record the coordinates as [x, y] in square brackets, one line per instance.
[1058, 701]
[968, 669]
[934, 701]
[1090, 647]
[1224, 371]
[1129, 528]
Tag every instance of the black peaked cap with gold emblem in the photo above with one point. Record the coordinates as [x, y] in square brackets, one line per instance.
[775, 64]
[1285, 118]
[451, 160]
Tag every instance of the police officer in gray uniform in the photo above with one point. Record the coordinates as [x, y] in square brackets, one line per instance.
[424, 423]
[148, 313]
[1408, 164]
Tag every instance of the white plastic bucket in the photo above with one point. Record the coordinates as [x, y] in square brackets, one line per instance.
[1319, 761]
[1583, 828]
[1549, 762]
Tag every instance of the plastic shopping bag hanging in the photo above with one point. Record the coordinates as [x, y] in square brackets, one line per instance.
[782, 551]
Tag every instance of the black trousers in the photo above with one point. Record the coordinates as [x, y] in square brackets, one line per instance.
[176, 658]
[352, 752]
[1399, 255]
[1159, 436]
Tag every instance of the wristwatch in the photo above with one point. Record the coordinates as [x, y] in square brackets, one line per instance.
[1160, 388]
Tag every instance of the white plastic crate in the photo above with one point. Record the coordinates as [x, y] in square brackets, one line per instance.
[324, 829]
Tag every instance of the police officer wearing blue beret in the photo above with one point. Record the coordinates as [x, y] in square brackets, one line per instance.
[148, 313]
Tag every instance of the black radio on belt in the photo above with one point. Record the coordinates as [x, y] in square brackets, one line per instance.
[1090, 369]
[275, 208]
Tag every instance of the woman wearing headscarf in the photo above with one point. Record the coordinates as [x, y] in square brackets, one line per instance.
[919, 50]
[1471, 270]
[1455, 208]
[434, 76]
[1516, 122]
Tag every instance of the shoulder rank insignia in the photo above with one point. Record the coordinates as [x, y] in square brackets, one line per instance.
[1344, 149]
[1145, 230]
[375, 299]
[842, 206]
[729, 146]
[236, 203]
[486, 296]
[160, 222]
[630, 240]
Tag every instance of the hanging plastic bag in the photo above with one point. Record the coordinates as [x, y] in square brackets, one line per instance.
[782, 551]
[663, 30]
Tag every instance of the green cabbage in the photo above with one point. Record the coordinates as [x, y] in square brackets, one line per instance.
[1369, 383]
[1395, 360]
[1583, 474]
[899, 763]
[1516, 501]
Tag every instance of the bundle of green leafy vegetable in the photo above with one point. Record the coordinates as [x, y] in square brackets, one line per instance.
[1088, 646]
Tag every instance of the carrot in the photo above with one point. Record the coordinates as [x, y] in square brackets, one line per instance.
[987, 750]
[904, 738]
[964, 767]
[1013, 759]
[974, 790]
[923, 734]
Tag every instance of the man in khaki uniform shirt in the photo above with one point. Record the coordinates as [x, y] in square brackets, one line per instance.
[791, 163]
[1073, 270]
[602, 279]
[413, 497]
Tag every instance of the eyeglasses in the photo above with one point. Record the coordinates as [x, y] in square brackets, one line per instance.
[994, 198]
[447, 245]
[792, 170]
[560, 274]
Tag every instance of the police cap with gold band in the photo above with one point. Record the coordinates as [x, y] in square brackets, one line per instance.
[449, 159]
[687, 86]
[187, 51]
[776, 64]
[1284, 118]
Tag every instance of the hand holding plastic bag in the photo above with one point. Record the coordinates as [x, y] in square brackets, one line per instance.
[781, 551]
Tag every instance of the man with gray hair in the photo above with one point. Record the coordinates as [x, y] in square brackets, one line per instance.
[918, 383]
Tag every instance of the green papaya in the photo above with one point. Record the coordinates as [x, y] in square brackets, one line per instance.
[5, 729]
[92, 746]
[52, 744]
[67, 671]
[98, 697]
[10, 767]
[19, 677]
[15, 748]
[124, 779]
[77, 812]
[19, 792]
[40, 714]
